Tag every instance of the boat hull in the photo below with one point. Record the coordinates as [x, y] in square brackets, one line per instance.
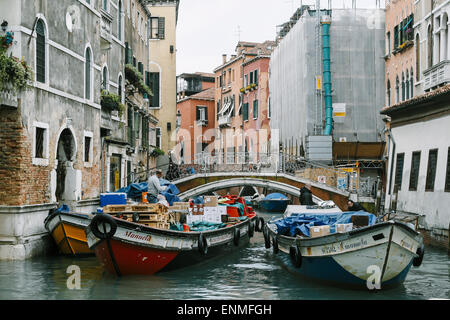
[274, 205]
[136, 249]
[68, 231]
[377, 256]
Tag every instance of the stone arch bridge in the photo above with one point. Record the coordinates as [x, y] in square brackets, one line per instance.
[201, 183]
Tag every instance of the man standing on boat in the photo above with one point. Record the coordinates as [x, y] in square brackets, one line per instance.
[154, 187]
[306, 196]
[354, 206]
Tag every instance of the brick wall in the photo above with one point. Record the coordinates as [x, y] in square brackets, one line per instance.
[21, 183]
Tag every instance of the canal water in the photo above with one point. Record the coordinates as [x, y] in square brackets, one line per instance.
[252, 273]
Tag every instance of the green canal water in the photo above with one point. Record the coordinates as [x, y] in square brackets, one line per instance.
[251, 273]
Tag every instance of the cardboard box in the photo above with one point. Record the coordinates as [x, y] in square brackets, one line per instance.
[198, 209]
[344, 227]
[319, 231]
[210, 210]
[193, 218]
[181, 205]
[222, 209]
[212, 217]
[210, 201]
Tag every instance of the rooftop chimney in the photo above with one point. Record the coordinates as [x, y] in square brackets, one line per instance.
[224, 57]
[233, 56]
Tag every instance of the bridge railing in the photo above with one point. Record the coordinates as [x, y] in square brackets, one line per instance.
[252, 162]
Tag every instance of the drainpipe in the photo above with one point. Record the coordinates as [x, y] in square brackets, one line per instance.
[327, 75]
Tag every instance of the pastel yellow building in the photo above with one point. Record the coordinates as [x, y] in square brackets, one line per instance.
[162, 65]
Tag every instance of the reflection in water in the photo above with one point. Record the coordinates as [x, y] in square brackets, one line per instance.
[251, 273]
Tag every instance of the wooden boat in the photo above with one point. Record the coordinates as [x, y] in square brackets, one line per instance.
[274, 202]
[375, 256]
[127, 248]
[68, 231]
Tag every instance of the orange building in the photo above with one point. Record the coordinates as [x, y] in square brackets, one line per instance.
[241, 98]
[195, 126]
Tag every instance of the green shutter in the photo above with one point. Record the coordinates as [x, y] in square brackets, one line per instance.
[161, 26]
[154, 87]
[245, 111]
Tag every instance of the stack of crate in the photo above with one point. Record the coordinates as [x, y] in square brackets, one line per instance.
[153, 215]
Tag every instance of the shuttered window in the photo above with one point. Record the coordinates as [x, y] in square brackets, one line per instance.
[399, 170]
[158, 137]
[414, 176]
[131, 137]
[245, 111]
[87, 149]
[431, 170]
[447, 175]
[157, 27]
[161, 27]
[119, 21]
[128, 54]
[154, 87]
[141, 68]
[40, 51]
[255, 109]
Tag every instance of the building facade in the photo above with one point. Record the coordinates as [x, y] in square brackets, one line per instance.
[432, 44]
[162, 68]
[418, 170]
[400, 51]
[141, 125]
[195, 127]
[241, 103]
[326, 90]
[51, 133]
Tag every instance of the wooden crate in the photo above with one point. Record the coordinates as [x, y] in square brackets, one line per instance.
[113, 208]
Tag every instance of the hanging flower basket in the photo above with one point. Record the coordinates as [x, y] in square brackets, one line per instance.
[14, 73]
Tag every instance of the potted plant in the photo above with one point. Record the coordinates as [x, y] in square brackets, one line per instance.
[156, 152]
[136, 79]
[14, 73]
[111, 101]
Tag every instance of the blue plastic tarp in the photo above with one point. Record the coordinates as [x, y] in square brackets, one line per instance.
[134, 191]
[302, 222]
[275, 196]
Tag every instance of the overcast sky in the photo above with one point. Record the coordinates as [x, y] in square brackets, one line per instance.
[209, 28]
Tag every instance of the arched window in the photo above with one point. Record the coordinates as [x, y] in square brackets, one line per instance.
[105, 78]
[87, 74]
[430, 46]
[417, 58]
[403, 86]
[407, 84]
[388, 93]
[40, 52]
[397, 93]
[411, 82]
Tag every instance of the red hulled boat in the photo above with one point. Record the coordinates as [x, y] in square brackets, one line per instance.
[127, 248]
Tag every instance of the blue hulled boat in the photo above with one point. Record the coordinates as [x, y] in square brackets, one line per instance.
[274, 202]
[377, 255]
